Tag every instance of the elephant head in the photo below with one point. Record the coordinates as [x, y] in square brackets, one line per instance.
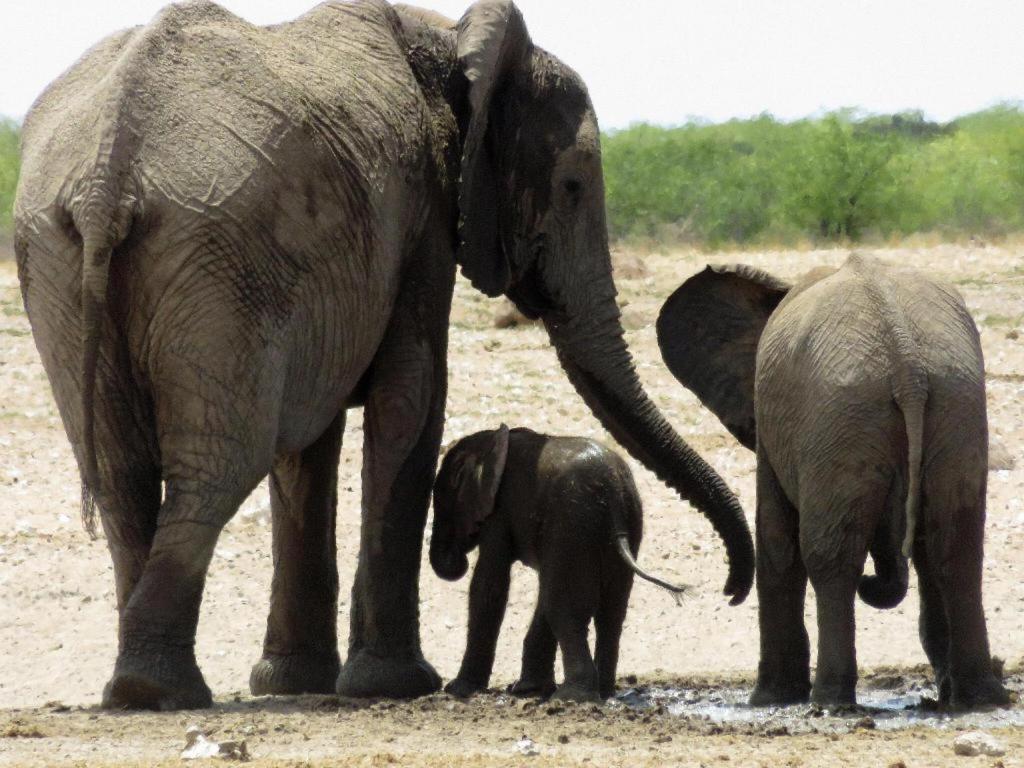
[708, 332]
[464, 496]
[532, 226]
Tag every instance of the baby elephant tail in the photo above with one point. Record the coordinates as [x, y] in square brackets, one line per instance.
[676, 590]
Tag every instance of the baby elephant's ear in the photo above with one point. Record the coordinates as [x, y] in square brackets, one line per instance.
[480, 487]
[708, 332]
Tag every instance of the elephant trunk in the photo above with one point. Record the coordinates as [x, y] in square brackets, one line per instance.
[449, 562]
[593, 352]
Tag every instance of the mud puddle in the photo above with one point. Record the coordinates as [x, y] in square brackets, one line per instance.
[888, 703]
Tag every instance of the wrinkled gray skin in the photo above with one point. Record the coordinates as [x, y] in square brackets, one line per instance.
[566, 507]
[228, 235]
[871, 436]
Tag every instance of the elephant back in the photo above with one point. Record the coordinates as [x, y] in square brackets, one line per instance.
[209, 113]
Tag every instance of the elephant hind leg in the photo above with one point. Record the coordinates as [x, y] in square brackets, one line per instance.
[156, 664]
[570, 596]
[948, 556]
[128, 515]
[300, 650]
[608, 630]
[537, 677]
[834, 543]
[933, 624]
[783, 674]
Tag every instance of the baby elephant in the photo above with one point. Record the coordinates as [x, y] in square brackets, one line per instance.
[564, 506]
[862, 389]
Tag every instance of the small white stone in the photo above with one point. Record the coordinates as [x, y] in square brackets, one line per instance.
[978, 743]
[527, 747]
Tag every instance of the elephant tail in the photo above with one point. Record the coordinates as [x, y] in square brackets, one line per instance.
[103, 222]
[676, 590]
[913, 417]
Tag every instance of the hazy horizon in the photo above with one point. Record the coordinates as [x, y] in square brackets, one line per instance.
[664, 62]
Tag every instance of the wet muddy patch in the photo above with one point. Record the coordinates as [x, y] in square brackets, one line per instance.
[886, 702]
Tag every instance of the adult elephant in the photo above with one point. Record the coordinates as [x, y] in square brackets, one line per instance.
[240, 232]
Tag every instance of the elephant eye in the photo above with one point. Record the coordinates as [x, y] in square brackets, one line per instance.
[572, 186]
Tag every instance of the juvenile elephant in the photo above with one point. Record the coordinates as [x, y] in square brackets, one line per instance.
[566, 507]
[862, 389]
[228, 235]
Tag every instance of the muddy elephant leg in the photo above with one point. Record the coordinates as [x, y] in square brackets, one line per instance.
[608, 630]
[783, 674]
[953, 543]
[156, 665]
[537, 675]
[835, 531]
[403, 421]
[488, 596]
[835, 679]
[933, 626]
[300, 650]
[569, 593]
[581, 681]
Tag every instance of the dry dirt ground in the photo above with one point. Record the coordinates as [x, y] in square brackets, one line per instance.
[58, 620]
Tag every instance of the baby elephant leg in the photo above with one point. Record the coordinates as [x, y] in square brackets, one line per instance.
[608, 628]
[569, 599]
[538, 672]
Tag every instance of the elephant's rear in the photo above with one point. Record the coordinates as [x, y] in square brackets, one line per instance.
[196, 163]
[890, 361]
[954, 459]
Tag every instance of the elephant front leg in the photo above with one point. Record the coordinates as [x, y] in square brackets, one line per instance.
[403, 421]
[488, 596]
[300, 650]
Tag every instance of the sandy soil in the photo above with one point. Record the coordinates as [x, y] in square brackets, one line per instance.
[58, 619]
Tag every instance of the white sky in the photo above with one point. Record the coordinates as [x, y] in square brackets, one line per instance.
[661, 61]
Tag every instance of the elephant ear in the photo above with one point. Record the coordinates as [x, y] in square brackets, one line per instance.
[478, 488]
[708, 332]
[492, 42]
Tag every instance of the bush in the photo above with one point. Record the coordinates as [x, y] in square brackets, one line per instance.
[9, 164]
[840, 177]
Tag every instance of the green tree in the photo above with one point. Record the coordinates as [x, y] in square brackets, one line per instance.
[9, 165]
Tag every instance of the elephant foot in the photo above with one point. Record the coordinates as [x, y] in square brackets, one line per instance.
[774, 695]
[163, 683]
[293, 674]
[462, 688]
[365, 675]
[576, 692]
[525, 687]
[841, 693]
[979, 692]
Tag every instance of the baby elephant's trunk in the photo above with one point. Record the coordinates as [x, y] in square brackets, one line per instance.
[676, 590]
